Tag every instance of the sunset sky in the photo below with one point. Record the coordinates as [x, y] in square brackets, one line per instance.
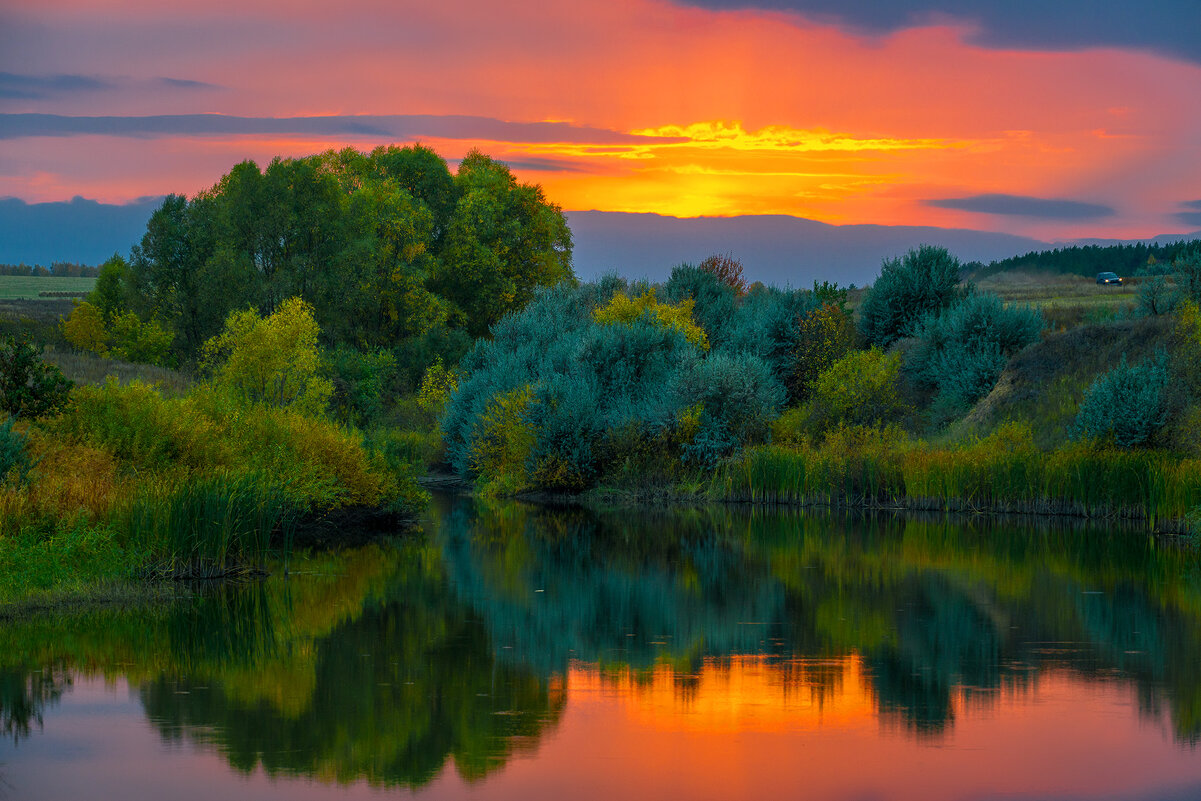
[1053, 120]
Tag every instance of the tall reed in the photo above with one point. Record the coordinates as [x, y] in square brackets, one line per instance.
[1001, 473]
[214, 526]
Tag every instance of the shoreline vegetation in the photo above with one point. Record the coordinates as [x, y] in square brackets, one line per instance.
[283, 357]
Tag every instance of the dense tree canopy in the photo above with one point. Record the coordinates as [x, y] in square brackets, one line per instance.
[389, 248]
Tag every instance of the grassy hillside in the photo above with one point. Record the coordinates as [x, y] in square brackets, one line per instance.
[1042, 386]
[1066, 300]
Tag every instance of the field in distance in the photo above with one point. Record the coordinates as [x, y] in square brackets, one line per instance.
[27, 287]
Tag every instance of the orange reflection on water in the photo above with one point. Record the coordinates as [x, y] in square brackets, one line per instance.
[737, 694]
[753, 727]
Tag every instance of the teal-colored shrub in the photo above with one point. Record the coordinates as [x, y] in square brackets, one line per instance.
[713, 300]
[596, 394]
[909, 289]
[1155, 297]
[963, 348]
[1188, 273]
[14, 459]
[764, 322]
[739, 397]
[1128, 403]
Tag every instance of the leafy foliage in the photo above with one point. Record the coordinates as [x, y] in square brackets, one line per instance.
[764, 322]
[824, 335]
[714, 301]
[908, 289]
[389, 249]
[624, 309]
[829, 292]
[85, 329]
[569, 397]
[273, 359]
[860, 389]
[112, 286]
[727, 269]
[436, 387]
[29, 387]
[1188, 272]
[1188, 347]
[1155, 297]
[359, 382]
[105, 325]
[505, 439]
[319, 464]
[738, 397]
[502, 242]
[1127, 403]
[139, 341]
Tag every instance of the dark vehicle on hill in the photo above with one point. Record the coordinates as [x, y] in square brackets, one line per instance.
[1109, 278]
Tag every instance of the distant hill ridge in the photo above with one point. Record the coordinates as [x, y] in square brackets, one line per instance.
[774, 249]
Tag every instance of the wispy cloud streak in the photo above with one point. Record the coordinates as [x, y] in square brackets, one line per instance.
[396, 126]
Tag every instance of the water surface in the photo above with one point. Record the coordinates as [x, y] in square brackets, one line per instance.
[523, 652]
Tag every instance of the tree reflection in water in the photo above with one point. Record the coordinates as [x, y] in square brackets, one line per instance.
[944, 615]
[386, 664]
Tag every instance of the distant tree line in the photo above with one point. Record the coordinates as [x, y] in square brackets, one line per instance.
[57, 269]
[1137, 258]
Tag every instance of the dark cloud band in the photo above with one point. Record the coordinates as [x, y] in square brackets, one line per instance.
[1021, 206]
[388, 127]
[15, 86]
[1165, 26]
[41, 87]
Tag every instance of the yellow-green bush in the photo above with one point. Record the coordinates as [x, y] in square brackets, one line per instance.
[143, 430]
[120, 334]
[624, 309]
[859, 389]
[85, 329]
[273, 359]
[502, 447]
[436, 386]
[1188, 347]
[141, 341]
[824, 335]
[69, 481]
[322, 464]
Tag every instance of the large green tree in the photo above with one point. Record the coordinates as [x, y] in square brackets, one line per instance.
[391, 250]
[503, 242]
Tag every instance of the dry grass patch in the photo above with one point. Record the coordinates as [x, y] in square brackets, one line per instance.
[88, 369]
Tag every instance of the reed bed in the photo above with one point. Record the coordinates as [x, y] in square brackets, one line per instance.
[217, 526]
[997, 474]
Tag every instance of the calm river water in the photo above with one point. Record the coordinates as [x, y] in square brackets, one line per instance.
[517, 652]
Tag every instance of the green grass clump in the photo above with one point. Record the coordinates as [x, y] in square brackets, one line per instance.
[73, 558]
